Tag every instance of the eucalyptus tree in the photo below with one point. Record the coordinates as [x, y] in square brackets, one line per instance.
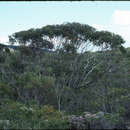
[71, 63]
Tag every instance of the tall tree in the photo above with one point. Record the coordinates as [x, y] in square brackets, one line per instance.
[73, 64]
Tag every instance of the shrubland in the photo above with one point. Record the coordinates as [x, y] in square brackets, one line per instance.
[40, 87]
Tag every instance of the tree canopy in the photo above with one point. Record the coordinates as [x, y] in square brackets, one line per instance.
[70, 36]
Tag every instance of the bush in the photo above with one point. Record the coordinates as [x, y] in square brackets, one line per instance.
[23, 117]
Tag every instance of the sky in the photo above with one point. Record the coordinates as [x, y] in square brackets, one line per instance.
[113, 16]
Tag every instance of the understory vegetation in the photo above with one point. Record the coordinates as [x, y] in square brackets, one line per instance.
[40, 88]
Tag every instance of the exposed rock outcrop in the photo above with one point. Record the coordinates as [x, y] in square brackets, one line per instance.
[93, 121]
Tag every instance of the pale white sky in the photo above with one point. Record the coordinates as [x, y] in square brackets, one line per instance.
[109, 15]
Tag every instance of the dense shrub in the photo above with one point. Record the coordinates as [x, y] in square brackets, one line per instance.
[23, 117]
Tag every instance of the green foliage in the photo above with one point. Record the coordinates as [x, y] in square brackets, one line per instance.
[48, 81]
[110, 39]
[72, 35]
[113, 117]
[29, 80]
[40, 83]
[5, 90]
[23, 117]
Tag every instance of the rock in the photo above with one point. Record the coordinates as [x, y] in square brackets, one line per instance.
[77, 122]
[101, 114]
[127, 124]
[86, 113]
[95, 121]
[107, 124]
[95, 124]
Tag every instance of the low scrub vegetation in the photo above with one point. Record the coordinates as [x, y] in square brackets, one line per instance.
[42, 89]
